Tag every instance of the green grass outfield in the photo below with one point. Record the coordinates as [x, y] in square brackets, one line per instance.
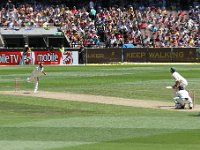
[28, 123]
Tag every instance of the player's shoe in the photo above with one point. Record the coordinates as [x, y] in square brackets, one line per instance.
[190, 106]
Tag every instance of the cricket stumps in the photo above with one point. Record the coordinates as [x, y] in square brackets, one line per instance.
[17, 84]
[192, 95]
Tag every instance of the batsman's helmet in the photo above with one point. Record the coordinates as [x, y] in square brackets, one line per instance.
[172, 70]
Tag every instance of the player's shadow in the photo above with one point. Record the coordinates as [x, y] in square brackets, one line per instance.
[195, 115]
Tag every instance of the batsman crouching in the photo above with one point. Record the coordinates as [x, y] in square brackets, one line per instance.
[182, 98]
[36, 73]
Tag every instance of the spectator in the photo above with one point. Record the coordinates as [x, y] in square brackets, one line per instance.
[93, 24]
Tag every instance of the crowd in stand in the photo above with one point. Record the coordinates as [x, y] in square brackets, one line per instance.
[142, 25]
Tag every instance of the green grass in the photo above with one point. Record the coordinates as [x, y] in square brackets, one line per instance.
[128, 81]
[28, 123]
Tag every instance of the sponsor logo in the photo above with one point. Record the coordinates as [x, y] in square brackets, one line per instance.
[47, 57]
[67, 57]
[52, 57]
[27, 58]
[9, 58]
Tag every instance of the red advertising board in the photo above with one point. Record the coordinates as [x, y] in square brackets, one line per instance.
[35, 57]
[47, 57]
[10, 58]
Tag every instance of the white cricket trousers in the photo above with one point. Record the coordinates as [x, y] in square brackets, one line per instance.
[183, 101]
[35, 79]
[35, 85]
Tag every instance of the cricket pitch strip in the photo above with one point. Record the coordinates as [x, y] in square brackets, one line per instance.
[101, 100]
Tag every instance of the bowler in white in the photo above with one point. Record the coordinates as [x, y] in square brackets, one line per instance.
[36, 73]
